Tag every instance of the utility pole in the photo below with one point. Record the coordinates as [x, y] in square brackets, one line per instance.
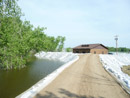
[116, 38]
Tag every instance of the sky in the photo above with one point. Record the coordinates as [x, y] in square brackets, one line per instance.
[81, 21]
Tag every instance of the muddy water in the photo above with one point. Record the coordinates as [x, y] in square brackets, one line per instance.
[14, 82]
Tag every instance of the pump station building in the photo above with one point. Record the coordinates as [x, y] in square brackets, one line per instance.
[91, 48]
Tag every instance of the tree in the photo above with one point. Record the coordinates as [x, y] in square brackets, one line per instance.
[10, 25]
[18, 38]
[69, 49]
[61, 43]
[120, 49]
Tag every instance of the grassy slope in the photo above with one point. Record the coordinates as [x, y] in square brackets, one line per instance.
[126, 69]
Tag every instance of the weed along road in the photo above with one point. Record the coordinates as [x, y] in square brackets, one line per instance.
[86, 78]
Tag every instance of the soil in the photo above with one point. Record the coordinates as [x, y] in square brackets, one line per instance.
[86, 78]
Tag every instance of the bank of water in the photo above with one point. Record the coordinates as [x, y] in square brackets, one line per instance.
[14, 82]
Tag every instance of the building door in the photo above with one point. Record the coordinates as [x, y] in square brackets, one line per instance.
[77, 51]
[94, 52]
[83, 52]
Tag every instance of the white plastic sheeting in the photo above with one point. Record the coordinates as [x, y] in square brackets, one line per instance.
[62, 56]
[113, 64]
[66, 57]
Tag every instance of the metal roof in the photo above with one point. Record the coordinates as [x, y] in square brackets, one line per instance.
[89, 46]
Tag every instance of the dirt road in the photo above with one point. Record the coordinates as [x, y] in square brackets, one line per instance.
[85, 78]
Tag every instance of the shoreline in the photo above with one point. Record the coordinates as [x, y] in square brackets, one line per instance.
[32, 91]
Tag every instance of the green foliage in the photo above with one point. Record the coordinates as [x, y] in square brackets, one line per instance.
[61, 43]
[120, 49]
[69, 49]
[19, 38]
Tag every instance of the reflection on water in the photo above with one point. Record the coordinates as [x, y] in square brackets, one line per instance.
[14, 82]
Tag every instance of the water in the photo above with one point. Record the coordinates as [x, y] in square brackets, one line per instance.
[14, 82]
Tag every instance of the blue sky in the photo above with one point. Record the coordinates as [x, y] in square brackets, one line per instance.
[81, 21]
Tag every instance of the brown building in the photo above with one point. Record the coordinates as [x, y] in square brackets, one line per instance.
[91, 48]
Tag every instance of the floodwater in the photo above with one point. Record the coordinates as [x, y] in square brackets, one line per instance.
[14, 82]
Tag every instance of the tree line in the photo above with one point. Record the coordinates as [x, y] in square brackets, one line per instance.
[18, 38]
[110, 49]
[120, 49]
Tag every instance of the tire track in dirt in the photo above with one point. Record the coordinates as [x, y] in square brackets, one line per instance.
[86, 78]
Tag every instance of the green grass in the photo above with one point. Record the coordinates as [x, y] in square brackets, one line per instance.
[126, 69]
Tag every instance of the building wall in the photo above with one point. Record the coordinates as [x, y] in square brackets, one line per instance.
[94, 51]
[81, 50]
[99, 51]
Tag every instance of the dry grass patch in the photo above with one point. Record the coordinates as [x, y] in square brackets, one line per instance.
[126, 69]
